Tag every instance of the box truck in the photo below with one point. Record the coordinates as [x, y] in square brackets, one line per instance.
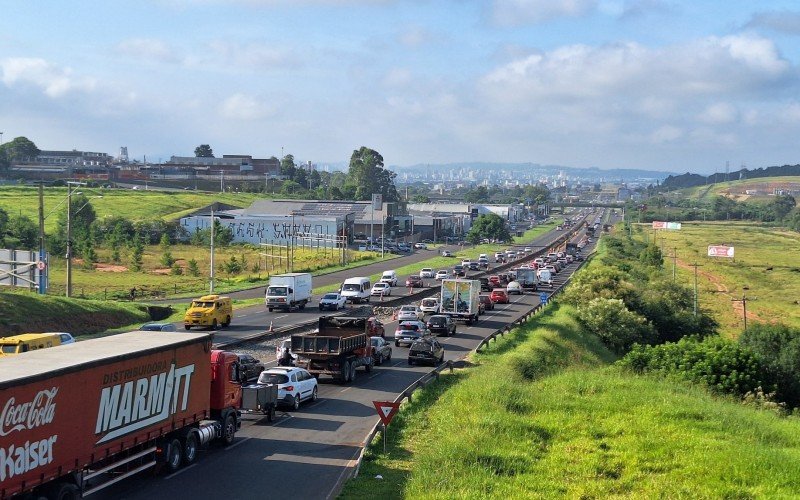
[79, 417]
[287, 291]
[460, 299]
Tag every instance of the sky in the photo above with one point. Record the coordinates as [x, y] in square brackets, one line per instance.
[681, 86]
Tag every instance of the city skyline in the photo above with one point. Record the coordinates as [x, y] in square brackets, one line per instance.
[613, 84]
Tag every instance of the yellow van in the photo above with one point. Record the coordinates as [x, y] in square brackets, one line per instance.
[209, 310]
[28, 342]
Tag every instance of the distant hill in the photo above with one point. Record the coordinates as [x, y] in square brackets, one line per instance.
[757, 189]
[539, 169]
[691, 180]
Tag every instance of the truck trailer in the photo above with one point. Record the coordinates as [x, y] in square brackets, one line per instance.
[460, 299]
[79, 417]
[287, 291]
[340, 345]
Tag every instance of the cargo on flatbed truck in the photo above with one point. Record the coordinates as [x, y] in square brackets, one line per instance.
[339, 347]
[460, 299]
[79, 417]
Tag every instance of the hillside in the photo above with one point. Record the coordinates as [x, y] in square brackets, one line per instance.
[134, 204]
[760, 189]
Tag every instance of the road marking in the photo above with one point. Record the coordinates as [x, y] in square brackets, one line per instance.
[282, 421]
[317, 403]
[346, 389]
[187, 468]
[311, 460]
[237, 443]
[279, 317]
[374, 375]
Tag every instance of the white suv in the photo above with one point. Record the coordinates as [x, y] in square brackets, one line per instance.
[294, 385]
[426, 272]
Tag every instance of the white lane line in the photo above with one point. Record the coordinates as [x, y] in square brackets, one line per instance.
[374, 375]
[185, 469]
[237, 443]
[346, 389]
[279, 317]
[276, 424]
[314, 405]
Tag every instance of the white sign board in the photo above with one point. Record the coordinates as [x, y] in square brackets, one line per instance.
[720, 251]
[377, 201]
[666, 225]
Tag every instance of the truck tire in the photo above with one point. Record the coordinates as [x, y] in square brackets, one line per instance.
[346, 372]
[187, 327]
[352, 372]
[174, 456]
[190, 446]
[228, 430]
[63, 491]
[214, 325]
[302, 305]
[227, 322]
[269, 309]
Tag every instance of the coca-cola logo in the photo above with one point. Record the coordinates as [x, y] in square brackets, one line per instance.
[35, 413]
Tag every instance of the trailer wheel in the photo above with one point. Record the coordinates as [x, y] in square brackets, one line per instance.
[174, 455]
[190, 446]
[229, 430]
[269, 309]
[64, 491]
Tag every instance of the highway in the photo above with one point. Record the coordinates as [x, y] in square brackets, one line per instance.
[308, 453]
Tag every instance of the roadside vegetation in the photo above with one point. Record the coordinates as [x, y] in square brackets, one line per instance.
[617, 390]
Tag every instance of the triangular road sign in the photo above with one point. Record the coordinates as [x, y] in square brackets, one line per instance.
[386, 410]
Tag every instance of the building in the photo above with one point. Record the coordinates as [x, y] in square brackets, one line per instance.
[231, 166]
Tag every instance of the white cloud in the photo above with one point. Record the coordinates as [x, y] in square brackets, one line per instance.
[415, 37]
[521, 12]
[398, 77]
[245, 107]
[667, 133]
[149, 49]
[718, 114]
[251, 56]
[53, 80]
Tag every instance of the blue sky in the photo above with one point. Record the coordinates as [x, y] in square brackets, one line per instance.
[657, 84]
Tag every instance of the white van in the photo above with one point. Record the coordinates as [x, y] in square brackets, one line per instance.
[545, 277]
[389, 277]
[356, 290]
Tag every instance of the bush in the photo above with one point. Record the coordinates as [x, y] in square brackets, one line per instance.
[720, 364]
[778, 346]
[192, 268]
[617, 327]
[668, 306]
[603, 282]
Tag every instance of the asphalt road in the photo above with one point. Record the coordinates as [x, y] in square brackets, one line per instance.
[254, 320]
[306, 454]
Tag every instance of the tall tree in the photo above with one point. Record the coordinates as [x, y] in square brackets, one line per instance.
[287, 166]
[368, 176]
[19, 149]
[490, 226]
[204, 151]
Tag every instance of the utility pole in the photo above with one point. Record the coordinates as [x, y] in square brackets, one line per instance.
[211, 282]
[744, 300]
[695, 266]
[674, 261]
[42, 282]
[69, 240]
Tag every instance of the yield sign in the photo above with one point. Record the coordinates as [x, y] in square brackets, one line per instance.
[386, 410]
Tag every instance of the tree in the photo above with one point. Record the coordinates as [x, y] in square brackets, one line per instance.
[137, 250]
[192, 268]
[300, 177]
[782, 205]
[3, 224]
[19, 149]
[477, 195]
[368, 176]
[490, 226]
[420, 198]
[204, 151]
[22, 232]
[287, 166]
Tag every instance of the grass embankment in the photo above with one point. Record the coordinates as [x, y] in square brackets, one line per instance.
[26, 312]
[542, 415]
[762, 186]
[765, 262]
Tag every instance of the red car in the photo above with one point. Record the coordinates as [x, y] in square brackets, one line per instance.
[414, 281]
[499, 296]
[488, 305]
[494, 280]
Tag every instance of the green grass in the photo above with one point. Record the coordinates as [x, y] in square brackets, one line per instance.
[542, 415]
[765, 262]
[135, 205]
[532, 233]
[733, 188]
[22, 312]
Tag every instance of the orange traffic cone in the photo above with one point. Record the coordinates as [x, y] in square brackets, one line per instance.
[270, 327]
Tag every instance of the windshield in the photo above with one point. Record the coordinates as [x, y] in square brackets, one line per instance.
[428, 302]
[436, 321]
[202, 304]
[332, 296]
[277, 290]
[409, 308]
[272, 378]
[352, 287]
[9, 348]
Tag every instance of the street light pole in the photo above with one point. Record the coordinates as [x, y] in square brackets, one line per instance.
[211, 283]
[42, 283]
[69, 240]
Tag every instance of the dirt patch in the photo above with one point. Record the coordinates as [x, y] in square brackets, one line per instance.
[736, 302]
[162, 270]
[110, 268]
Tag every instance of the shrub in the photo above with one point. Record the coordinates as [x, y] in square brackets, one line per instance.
[720, 364]
[778, 346]
[176, 270]
[192, 268]
[617, 326]
[603, 282]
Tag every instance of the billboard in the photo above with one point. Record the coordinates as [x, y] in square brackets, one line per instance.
[666, 225]
[720, 251]
[377, 201]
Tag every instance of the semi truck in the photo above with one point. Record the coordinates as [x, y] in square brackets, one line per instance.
[460, 299]
[287, 291]
[79, 417]
[339, 346]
